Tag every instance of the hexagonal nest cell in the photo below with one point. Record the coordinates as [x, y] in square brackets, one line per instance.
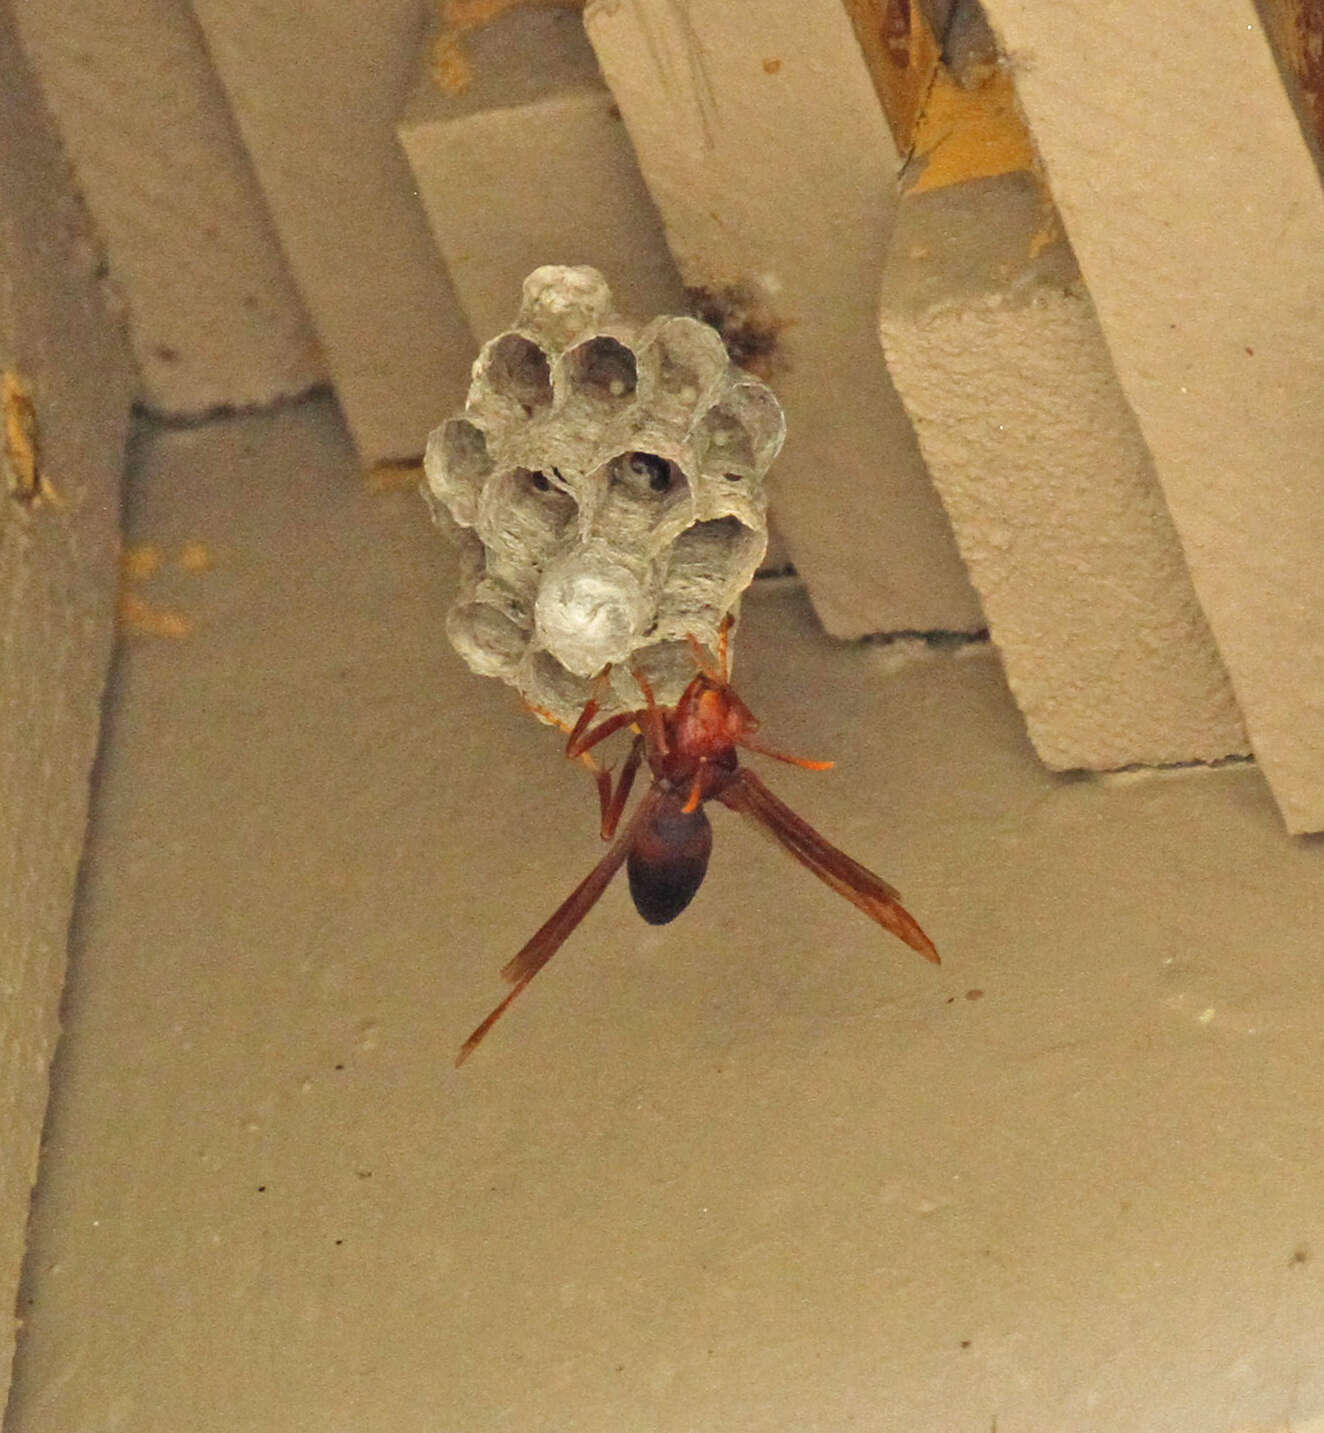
[606, 485]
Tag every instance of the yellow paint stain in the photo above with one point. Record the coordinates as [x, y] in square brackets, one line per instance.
[451, 69]
[196, 557]
[22, 473]
[902, 55]
[393, 477]
[966, 134]
[139, 561]
[949, 132]
[141, 618]
[1050, 230]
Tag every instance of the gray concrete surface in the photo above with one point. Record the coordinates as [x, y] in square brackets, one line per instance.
[761, 1169]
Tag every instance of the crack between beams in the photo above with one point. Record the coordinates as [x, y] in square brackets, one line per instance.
[922, 108]
[1132, 768]
[174, 420]
[938, 638]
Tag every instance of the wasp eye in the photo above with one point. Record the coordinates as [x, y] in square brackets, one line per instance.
[539, 481]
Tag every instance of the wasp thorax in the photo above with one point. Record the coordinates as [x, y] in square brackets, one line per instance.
[607, 484]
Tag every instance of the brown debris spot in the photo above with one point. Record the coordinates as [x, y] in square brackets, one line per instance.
[896, 32]
[1295, 31]
[749, 328]
[1309, 63]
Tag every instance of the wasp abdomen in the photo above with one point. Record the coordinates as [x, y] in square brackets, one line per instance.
[668, 860]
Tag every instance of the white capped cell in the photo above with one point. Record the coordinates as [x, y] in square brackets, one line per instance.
[590, 611]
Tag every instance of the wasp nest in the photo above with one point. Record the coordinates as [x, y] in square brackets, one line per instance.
[607, 486]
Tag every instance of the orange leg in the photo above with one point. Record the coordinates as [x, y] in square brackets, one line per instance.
[579, 745]
[654, 726]
[574, 745]
[703, 660]
[720, 671]
[752, 745]
[613, 803]
[550, 717]
[584, 735]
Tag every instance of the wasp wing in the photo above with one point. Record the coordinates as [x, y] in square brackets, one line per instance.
[880, 902]
[552, 934]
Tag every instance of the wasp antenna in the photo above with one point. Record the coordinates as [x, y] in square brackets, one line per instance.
[653, 723]
[724, 645]
[704, 661]
[549, 717]
[644, 685]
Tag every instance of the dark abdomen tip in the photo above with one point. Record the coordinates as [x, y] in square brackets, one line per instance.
[668, 862]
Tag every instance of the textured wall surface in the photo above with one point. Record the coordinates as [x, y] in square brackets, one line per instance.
[538, 136]
[68, 380]
[214, 317]
[759, 1170]
[1197, 218]
[995, 347]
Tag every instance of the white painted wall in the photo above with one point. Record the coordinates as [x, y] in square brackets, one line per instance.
[215, 318]
[316, 97]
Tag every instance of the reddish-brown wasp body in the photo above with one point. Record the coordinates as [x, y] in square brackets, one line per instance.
[691, 750]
